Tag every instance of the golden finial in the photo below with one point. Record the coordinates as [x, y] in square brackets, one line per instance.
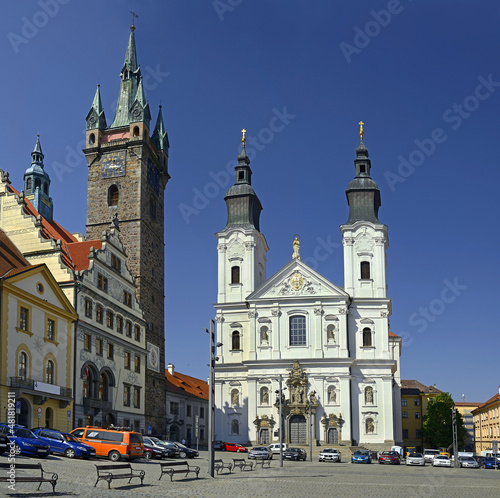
[361, 132]
[243, 139]
[134, 15]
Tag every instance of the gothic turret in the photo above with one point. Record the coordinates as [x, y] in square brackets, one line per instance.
[37, 183]
[363, 195]
[160, 137]
[95, 118]
[243, 205]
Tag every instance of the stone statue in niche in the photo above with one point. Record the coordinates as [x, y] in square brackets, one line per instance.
[332, 395]
[331, 335]
[265, 397]
[264, 336]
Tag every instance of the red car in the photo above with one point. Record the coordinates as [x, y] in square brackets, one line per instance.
[233, 447]
[389, 457]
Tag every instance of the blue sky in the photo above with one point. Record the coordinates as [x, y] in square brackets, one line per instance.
[298, 76]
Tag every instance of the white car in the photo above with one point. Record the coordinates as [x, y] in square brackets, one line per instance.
[275, 448]
[441, 461]
[330, 454]
[415, 459]
[468, 461]
[430, 454]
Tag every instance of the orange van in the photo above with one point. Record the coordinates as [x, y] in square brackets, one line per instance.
[112, 443]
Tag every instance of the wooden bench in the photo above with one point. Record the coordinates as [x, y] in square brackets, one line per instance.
[172, 468]
[13, 477]
[220, 465]
[263, 462]
[242, 463]
[120, 471]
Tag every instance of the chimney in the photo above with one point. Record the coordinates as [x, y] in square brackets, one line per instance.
[498, 389]
[171, 369]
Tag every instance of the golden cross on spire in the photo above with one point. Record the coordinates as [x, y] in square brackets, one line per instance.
[134, 15]
[243, 139]
[361, 132]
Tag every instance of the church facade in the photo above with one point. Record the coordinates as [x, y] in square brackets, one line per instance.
[328, 346]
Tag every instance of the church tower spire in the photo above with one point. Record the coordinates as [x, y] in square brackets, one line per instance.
[242, 247]
[95, 118]
[160, 137]
[37, 183]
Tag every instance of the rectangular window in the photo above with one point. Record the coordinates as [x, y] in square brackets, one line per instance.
[417, 414]
[404, 414]
[87, 342]
[129, 329]
[137, 333]
[137, 363]
[418, 434]
[417, 402]
[127, 299]
[405, 433]
[88, 308]
[137, 397]
[127, 360]
[119, 324]
[403, 402]
[51, 330]
[116, 263]
[109, 319]
[111, 351]
[98, 346]
[126, 395]
[202, 412]
[24, 316]
[98, 313]
[174, 408]
[102, 282]
[188, 410]
[126, 422]
[297, 331]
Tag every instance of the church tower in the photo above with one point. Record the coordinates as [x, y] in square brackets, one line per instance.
[365, 239]
[127, 176]
[242, 247]
[37, 184]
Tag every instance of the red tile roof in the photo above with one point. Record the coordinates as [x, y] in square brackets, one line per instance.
[11, 259]
[79, 252]
[416, 385]
[391, 334]
[185, 384]
[491, 400]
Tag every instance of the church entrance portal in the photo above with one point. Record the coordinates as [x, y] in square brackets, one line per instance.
[298, 430]
[264, 436]
[333, 436]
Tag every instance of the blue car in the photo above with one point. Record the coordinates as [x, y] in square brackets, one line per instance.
[25, 442]
[361, 456]
[489, 463]
[65, 444]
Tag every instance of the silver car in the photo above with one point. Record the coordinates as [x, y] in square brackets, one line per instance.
[330, 454]
[415, 459]
[468, 461]
[261, 453]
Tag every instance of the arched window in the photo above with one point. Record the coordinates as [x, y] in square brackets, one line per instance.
[369, 395]
[49, 372]
[367, 337]
[236, 341]
[136, 131]
[297, 330]
[113, 195]
[235, 427]
[264, 396]
[45, 188]
[38, 183]
[235, 275]
[235, 397]
[365, 270]
[28, 184]
[332, 395]
[91, 139]
[264, 335]
[370, 426]
[103, 387]
[23, 366]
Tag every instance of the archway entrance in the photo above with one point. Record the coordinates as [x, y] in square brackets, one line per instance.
[49, 417]
[298, 430]
[24, 418]
[174, 433]
[264, 436]
[333, 436]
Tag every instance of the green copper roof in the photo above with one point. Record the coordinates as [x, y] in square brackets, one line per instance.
[160, 137]
[96, 118]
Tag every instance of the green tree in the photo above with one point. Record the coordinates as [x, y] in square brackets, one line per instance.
[437, 428]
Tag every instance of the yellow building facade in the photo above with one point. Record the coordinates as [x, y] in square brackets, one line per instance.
[486, 418]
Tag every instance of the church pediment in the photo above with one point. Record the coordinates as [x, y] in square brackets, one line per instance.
[296, 279]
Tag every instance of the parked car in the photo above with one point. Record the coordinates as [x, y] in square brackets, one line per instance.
[489, 463]
[62, 443]
[295, 454]
[172, 450]
[153, 450]
[389, 457]
[275, 447]
[185, 452]
[4, 443]
[429, 455]
[441, 461]
[415, 459]
[260, 452]
[330, 454]
[233, 447]
[25, 442]
[468, 461]
[361, 456]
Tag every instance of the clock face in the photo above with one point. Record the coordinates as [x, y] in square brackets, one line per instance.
[153, 176]
[113, 164]
[153, 357]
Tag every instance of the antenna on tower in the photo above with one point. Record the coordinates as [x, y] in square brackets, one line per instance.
[463, 397]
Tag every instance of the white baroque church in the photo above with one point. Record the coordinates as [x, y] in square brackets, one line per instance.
[330, 345]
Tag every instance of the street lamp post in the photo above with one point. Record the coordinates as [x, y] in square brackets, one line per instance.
[211, 397]
[310, 432]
